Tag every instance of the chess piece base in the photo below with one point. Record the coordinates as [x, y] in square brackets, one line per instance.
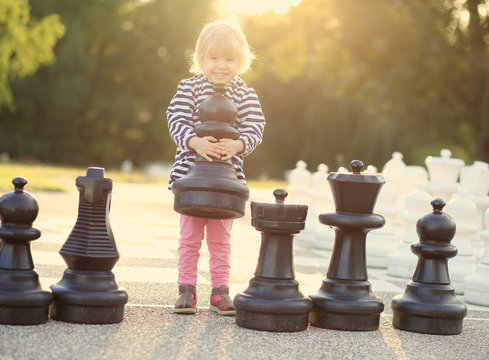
[24, 315]
[346, 305]
[344, 321]
[26, 303]
[428, 309]
[272, 322]
[427, 325]
[272, 305]
[87, 314]
[88, 297]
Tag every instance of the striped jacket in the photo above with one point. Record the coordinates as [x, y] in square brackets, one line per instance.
[183, 116]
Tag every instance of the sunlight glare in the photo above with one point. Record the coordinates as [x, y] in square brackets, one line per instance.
[234, 7]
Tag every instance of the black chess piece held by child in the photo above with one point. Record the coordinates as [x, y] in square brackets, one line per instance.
[428, 304]
[212, 189]
[22, 299]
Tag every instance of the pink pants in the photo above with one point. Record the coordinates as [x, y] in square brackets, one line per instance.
[218, 243]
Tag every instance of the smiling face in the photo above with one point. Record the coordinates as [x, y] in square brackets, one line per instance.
[220, 67]
[221, 52]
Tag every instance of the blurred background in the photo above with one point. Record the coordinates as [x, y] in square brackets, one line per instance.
[87, 83]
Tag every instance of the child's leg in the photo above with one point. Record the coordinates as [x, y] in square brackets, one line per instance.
[219, 244]
[191, 235]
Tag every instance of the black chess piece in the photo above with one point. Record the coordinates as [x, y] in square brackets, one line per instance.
[428, 304]
[88, 292]
[345, 300]
[22, 299]
[273, 301]
[212, 189]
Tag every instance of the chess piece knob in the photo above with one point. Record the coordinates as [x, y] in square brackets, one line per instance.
[278, 216]
[280, 195]
[18, 206]
[217, 114]
[356, 166]
[436, 226]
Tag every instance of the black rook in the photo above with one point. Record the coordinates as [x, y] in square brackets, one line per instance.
[428, 304]
[22, 300]
[273, 301]
[88, 293]
[212, 189]
[345, 300]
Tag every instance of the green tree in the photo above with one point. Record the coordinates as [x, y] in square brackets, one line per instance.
[105, 98]
[364, 79]
[25, 44]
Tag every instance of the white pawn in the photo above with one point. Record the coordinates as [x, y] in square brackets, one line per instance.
[299, 190]
[381, 242]
[443, 172]
[464, 213]
[402, 262]
[476, 284]
[322, 202]
[476, 179]
[393, 170]
[411, 176]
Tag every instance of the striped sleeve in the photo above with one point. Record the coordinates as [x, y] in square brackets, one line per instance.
[179, 115]
[251, 121]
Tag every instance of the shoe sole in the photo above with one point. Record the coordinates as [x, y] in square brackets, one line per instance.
[184, 311]
[222, 312]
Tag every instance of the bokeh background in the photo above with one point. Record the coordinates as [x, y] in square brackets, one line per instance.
[87, 83]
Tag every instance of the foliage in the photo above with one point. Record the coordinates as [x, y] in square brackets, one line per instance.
[25, 44]
[337, 80]
[46, 177]
[362, 80]
[104, 99]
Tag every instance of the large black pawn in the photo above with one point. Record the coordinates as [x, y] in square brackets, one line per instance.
[273, 301]
[212, 189]
[428, 304]
[22, 300]
[345, 300]
[88, 292]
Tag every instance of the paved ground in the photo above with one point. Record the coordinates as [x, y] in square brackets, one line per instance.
[146, 232]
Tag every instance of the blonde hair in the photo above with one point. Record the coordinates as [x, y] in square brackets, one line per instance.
[223, 37]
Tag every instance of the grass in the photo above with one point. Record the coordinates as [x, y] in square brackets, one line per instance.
[44, 177]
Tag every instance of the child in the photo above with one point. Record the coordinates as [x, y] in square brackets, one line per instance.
[221, 53]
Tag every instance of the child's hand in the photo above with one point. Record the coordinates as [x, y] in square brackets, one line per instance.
[206, 147]
[231, 148]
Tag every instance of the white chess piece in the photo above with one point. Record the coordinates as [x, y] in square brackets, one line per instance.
[443, 173]
[322, 202]
[299, 188]
[402, 262]
[464, 213]
[381, 242]
[476, 179]
[393, 170]
[299, 191]
[476, 284]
